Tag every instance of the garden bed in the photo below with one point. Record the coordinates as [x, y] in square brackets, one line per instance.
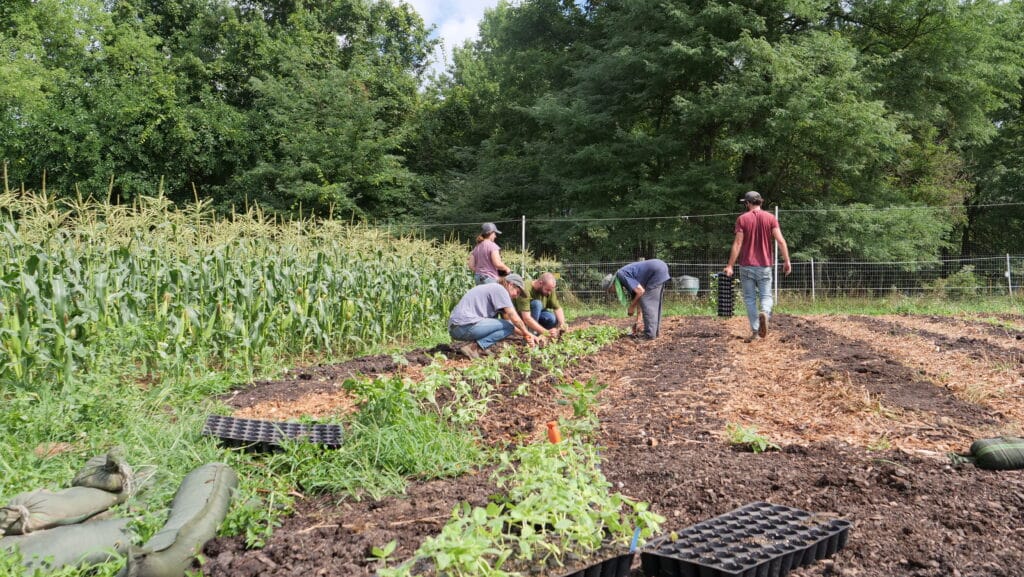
[832, 391]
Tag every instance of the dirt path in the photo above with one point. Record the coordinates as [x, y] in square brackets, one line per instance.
[864, 408]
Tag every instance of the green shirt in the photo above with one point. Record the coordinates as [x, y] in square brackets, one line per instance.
[549, 302]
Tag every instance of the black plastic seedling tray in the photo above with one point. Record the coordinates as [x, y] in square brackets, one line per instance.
[257, 434]
[614, 567]
[725, 295]
[756, 540]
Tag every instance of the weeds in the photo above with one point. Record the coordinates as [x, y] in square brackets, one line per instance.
[880, 444]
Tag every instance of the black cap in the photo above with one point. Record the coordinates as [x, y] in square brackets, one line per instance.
[752, 196]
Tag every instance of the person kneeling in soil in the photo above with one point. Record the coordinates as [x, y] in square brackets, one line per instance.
[474, 318]
[539, 307]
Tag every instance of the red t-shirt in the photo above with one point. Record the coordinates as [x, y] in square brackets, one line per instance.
[757, 226]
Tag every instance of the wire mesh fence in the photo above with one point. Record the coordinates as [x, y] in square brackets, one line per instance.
[696, 247]
[951, 277]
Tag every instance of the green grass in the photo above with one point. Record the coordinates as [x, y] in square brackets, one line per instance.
[921, 305]
[803, 305]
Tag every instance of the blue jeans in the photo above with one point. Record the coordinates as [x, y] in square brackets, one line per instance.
[485, 332]
[544, 317]
[756, 281]
[483, 279]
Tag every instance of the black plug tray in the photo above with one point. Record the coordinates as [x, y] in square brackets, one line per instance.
[255, 432]
[757, 540]
[618, 566]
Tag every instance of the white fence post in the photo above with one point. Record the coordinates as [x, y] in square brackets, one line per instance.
[1009, 278]
[523, 271]
[775, 277]
[813, 297]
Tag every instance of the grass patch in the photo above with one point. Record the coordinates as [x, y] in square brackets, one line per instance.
[803, 305]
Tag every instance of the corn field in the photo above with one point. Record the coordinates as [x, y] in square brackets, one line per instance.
[160, 289]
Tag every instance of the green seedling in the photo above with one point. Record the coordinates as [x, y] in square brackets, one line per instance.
[749, 438]
[382, 554]
[582, 396]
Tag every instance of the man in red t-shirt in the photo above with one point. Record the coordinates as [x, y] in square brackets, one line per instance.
[755, 230]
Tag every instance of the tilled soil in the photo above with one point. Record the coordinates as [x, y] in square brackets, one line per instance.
[864, 408]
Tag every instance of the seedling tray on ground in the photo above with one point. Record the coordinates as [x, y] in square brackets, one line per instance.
[266, 435]
[614, 567]
[756, 540]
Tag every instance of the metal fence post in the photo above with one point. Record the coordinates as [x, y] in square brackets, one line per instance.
[1009, 277]
[775, 277]
[523, 271]
[813, 296]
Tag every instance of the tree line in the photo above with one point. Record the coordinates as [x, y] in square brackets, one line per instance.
[562, 110]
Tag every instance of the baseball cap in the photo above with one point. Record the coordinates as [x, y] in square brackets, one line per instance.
[620, 291]
[513, 278]
[752, 196]
[488, 228]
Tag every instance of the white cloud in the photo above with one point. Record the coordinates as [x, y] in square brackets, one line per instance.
[456, 21]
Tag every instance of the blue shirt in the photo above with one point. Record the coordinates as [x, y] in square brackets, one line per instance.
[648, 273]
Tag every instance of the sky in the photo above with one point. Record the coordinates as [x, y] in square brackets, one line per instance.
[455, 20]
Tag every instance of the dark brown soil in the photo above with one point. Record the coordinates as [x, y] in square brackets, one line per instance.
[662, 420]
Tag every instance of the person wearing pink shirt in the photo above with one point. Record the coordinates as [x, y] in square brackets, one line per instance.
[485, 260]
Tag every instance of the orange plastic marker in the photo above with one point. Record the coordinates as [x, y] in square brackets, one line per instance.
[554, 435]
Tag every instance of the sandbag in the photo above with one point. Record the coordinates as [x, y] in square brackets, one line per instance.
[72, 545]
[108, 472]
[43, 509]
[998, 454]
[199, 506]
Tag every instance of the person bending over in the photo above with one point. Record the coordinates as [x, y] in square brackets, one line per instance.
[641, 287]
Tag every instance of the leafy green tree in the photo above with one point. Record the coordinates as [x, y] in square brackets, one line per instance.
[308, 104]
[947, 65]
[650, 107]
[329, 92]
[525, 51]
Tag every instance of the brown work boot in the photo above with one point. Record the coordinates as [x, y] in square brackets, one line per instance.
[762, 325]
[471, 350]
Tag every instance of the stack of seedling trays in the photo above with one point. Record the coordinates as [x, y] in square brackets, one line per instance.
[756, 540]
[257, 435]
[725, 295]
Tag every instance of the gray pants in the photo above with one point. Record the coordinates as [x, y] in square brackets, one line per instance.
[650, 306]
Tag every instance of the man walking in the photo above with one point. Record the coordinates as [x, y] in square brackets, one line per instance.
[640, 286]
[539, 307]
[755, 230]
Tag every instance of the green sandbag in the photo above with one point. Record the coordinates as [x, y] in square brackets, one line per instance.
[999, 454]
[43, 509]
[72, 545]
[108, 472]
[199, 506]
